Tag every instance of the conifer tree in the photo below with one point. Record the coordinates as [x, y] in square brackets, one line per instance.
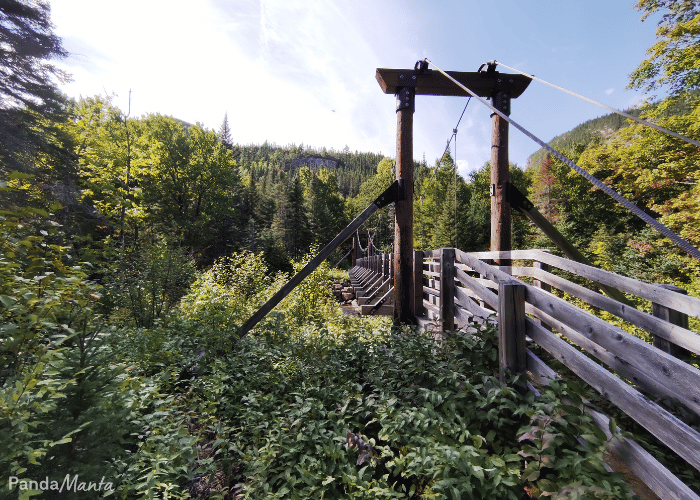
[225, 132]
[28, 80]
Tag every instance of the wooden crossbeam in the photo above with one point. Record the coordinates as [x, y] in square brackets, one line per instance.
[434, 83]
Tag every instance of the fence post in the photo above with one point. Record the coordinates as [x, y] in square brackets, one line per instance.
[540, 284]
[511, 328]
[672, 316]
[418, 282]
[447, 289]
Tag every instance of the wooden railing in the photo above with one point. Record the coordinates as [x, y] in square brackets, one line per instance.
[371, 279]
[461, 288]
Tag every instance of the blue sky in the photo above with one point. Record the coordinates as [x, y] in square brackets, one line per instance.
[304, 71]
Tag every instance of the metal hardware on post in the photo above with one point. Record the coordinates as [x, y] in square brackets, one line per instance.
[406, 99]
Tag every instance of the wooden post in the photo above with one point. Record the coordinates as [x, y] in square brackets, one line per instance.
[540, 284]
[418, 282]
[447, 289]
[511, 328]
[354, 250]
[500, 207]
[403, 233]
[674, 317]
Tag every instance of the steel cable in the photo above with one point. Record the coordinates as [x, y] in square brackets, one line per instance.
[626, 115]
[680, 242]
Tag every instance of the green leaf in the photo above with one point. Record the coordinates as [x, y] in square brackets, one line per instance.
[20, 175]
[7, 301]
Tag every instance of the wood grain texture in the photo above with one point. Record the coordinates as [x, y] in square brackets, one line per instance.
[511, 328]
[657, 326]
[671, 431]
[657, 477]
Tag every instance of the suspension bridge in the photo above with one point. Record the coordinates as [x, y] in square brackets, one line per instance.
[447, 289]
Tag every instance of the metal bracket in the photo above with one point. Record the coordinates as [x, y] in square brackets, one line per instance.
[501, 101]
[406, 88]
[395, 192]
[518, 199]
[492, 190]
[503, 84]
[406, 98]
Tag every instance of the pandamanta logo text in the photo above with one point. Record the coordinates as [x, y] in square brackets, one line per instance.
[69, 483]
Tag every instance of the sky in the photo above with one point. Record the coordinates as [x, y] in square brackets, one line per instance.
[303, 72]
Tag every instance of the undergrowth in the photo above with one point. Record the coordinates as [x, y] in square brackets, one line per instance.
[432, 419]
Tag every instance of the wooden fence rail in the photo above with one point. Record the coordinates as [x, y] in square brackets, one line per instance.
[460, 288]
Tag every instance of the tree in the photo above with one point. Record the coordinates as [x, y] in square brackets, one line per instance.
[27, 79]
[225, 133]
[545, 190]
[674, 60]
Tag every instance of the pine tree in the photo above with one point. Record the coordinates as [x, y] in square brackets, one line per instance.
[225, 132]
[298, 222]
[545, 190]
[28, 88]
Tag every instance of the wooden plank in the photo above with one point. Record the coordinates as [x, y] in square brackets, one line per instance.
[464, 301]
[385, 310]
[462, 318]
[649, 470]
[431, 254]
[484, 293]
[426, 324]
[673, 317]
[678, 335]
[679, 379]
[544, 268]
[674, 377]
[435, 83]
[671, 431]
[447, 289]
[638, 376]
[654, 293]
[513, 254]
[432, 308]
[511, 328]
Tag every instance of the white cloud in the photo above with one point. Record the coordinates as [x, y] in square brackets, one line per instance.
[609, 91]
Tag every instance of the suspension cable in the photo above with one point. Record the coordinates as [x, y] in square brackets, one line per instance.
[626, 115]
[454, 130]
[680, 242]
[359, 244]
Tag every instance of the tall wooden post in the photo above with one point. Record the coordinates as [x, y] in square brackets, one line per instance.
[403, 232]
[500, 177]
